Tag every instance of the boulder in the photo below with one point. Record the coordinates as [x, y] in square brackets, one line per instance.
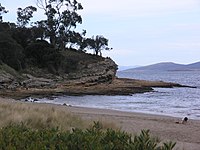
[34, 82]
[5, 79]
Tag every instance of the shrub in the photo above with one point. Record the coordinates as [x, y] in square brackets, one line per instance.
[43, 55]
[95, 138]
[10, 52]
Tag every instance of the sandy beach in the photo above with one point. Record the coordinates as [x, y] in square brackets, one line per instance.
[186, 135]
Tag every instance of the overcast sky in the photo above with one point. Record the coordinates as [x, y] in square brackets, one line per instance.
[141, 32]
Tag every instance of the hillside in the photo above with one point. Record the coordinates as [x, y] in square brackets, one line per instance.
[29, 62]
[37, 68]
[167, 66]
[195, 66]
[122, 68]
[80, 68]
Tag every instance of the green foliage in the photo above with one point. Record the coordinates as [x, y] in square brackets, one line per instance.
[62, 17]
[97, 43]
[2, 11]
[22, 35]
[10, 52]
[42, 54]
[72, 57]
[23, 138]
[144, 142]
[22, 47]
[94, 138]
[168, 145]
[24, 15]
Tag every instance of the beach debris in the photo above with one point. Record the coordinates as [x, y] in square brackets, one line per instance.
[30, 99]
[64, 104]
[183, 121]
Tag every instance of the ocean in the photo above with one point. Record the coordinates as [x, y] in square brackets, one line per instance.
[176, 102]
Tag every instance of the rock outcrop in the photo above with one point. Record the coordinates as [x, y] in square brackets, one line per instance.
[94, 78]
[103, 71]
[6, 79]
[94, 73]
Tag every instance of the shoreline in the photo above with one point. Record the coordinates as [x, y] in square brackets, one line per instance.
[118, 86]
[138, 112]
[125, 111]
[163, 127]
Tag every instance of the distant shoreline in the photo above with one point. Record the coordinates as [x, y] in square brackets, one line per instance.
[167, 66]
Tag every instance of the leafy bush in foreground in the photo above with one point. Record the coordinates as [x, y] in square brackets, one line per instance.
[95, 138]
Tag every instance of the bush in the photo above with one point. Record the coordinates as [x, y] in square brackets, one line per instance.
[43, 55]
[10, 52]
[95, 138]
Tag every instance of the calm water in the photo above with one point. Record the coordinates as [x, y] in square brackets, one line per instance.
[176, 102]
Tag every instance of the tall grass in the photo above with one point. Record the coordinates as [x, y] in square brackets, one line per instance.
[26, 125]
[38, 116]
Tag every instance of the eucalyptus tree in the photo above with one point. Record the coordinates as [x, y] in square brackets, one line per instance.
[2, 11]
[24, 15]
[22, 34]
[97, 43]
[62, 18]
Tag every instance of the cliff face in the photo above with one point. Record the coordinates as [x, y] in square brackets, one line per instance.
[9, 78]
[89, 78]
[102, 71]
[99, 72]
[5, 79]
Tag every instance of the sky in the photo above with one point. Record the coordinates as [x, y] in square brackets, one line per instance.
[141, 32]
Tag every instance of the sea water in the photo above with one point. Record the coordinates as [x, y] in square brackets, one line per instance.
[177, 102]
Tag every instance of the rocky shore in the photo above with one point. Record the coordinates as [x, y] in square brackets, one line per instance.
[119, 86]
[94, 78]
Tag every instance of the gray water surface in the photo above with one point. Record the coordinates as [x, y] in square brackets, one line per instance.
[177, 102]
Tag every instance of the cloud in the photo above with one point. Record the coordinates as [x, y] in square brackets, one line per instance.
[184, 45]
[137, 7]
[187, 26]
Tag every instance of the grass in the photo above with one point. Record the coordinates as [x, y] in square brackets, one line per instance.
[38, 116]
[4, 69]
[43, 126]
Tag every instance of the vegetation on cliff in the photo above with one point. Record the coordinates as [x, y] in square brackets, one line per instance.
[50, 51]
[48, 44]
[49, 56]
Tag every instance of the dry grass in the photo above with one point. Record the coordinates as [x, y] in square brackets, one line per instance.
[39, 116]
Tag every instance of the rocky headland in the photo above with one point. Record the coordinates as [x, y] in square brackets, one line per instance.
[34, 67]
[89, 78]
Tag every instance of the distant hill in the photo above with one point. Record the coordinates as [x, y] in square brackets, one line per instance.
[192, 66]
[121, 68]
[167, 66]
